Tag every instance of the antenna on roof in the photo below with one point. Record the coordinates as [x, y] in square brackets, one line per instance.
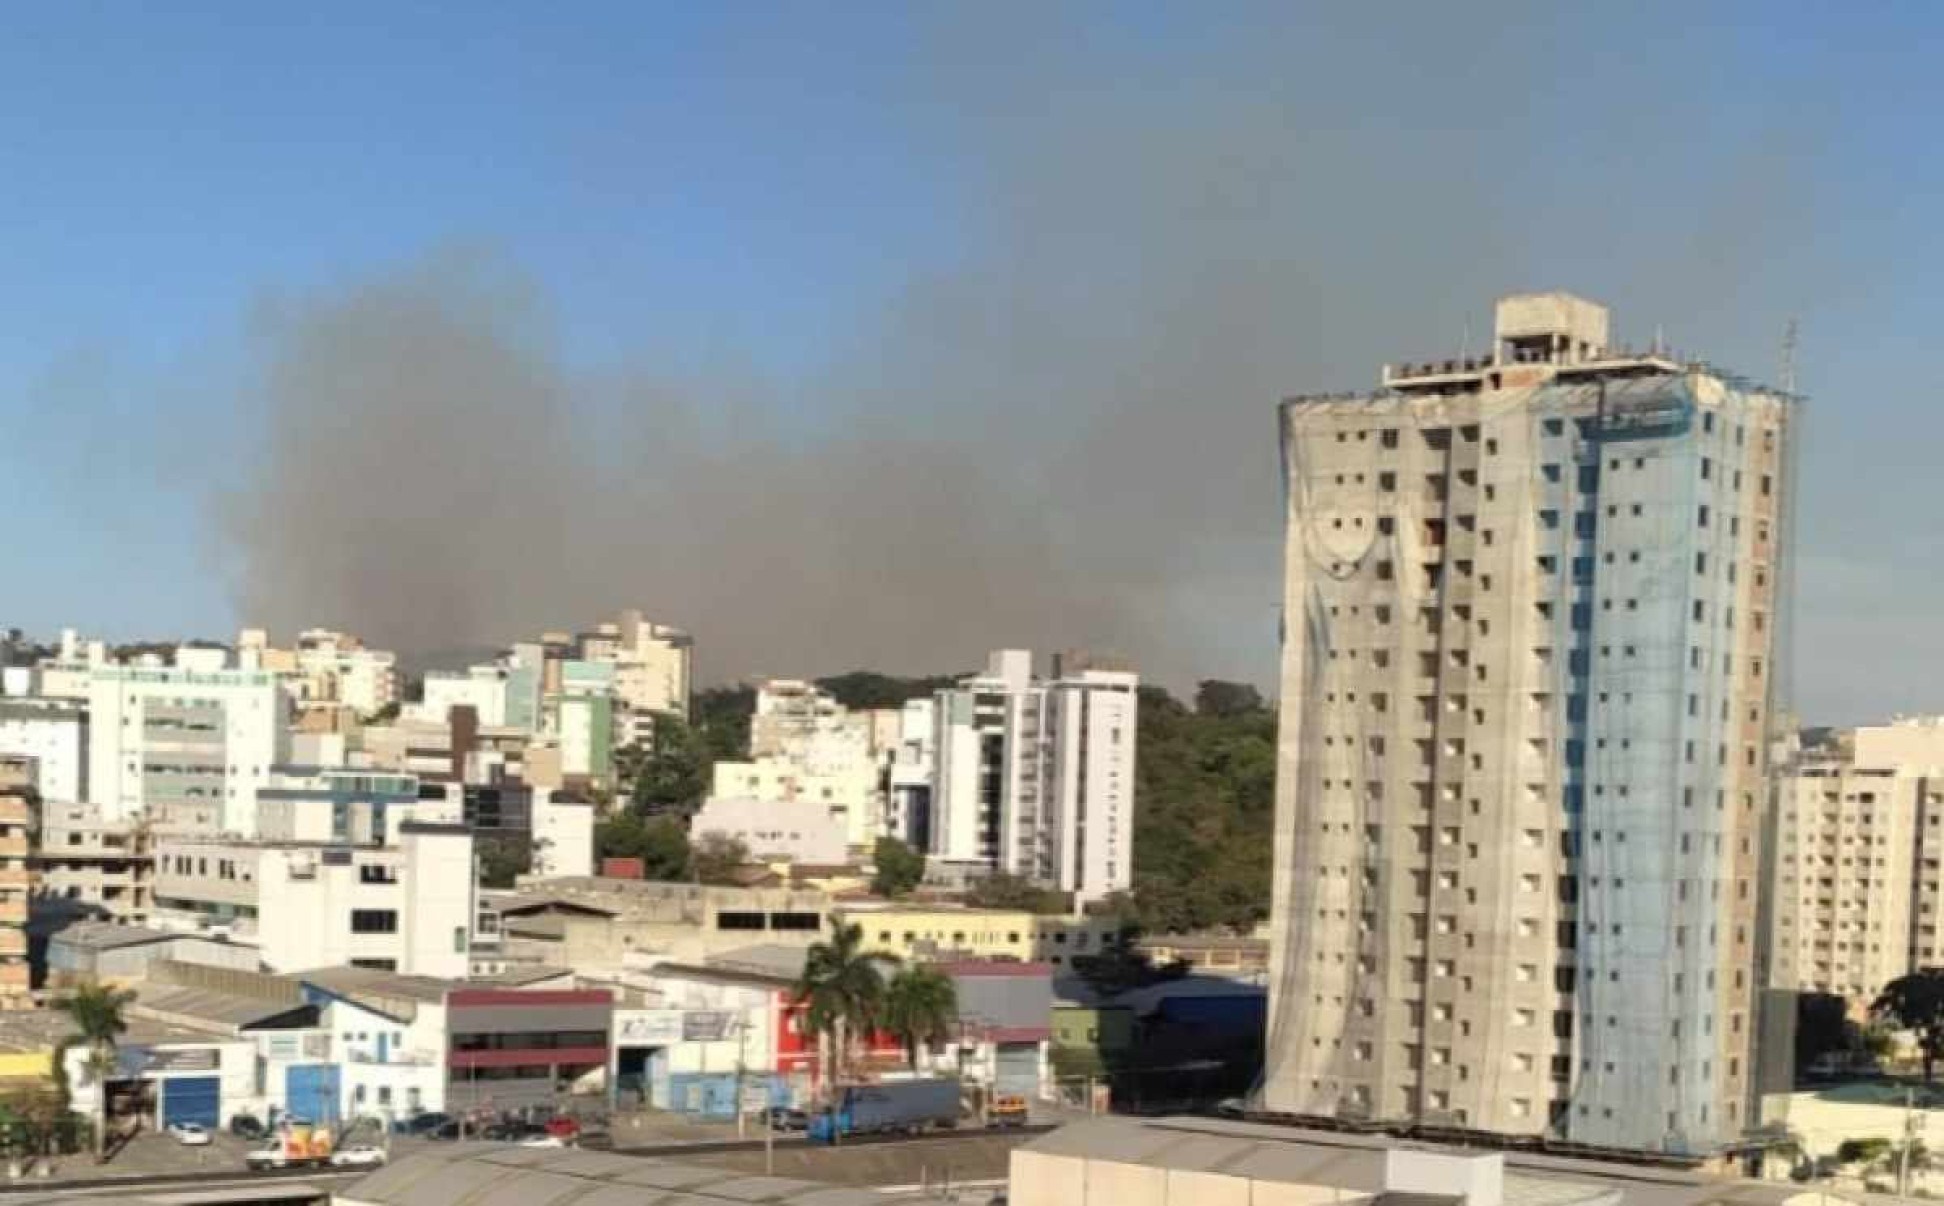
[1660, 340]
[1789, 357]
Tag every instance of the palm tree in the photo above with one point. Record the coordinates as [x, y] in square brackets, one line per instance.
[920, 1007]
[97, 1013]
[842, 991]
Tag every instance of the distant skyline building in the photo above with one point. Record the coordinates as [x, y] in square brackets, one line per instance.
[1528, 652]
[1859, 897]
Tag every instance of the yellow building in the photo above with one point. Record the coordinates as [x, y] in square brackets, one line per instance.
[913, 931]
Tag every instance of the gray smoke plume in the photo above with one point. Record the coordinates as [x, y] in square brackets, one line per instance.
[1063, 437]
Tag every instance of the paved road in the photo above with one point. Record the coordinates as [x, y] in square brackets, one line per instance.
[876, 1160]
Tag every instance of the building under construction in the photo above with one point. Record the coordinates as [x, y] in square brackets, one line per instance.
[1529, 631]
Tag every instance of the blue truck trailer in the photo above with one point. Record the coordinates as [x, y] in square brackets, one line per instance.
[899, 1105]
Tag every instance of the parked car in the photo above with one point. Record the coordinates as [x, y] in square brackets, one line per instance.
[248, 1126]
[271, 1156]
[544, 1141]
[563, 1126]
[447, 1130]
[189, 1134]
[424, 1124]
[506, 1130]
[363, 1155]
[787, 1118]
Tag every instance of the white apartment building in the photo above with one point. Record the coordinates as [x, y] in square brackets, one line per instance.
[1036, 777]
[563, 835]
[67, 675]
[54, 733]
[1527, 649]
[408, 907]
[1859, 844]
[914, 762]
[776, 829]
[327, 667]
[481, 688]
[848, 795]
[186, 746]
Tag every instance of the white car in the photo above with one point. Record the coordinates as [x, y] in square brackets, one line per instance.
[189, 1134]
[272, 1156]
[363, 1155]
[544, 1141]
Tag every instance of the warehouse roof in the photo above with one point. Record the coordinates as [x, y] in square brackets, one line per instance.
[207, 1005]
[109, 935]
[470, 1174]
[1356, 1163]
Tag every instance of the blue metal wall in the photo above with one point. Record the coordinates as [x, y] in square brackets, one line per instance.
[192, 1099]
[311, 1091]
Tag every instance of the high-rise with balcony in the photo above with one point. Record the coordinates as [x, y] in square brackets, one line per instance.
[1528, 645]
[1859, 894]
[1035, 777]
[18, 799]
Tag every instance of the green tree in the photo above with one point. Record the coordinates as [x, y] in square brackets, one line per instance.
[674, 774]
[660, 843]
[714, 858]
[1862, 1151]
[842, 992]
[1822, 1027]
[1916, 1002]
[869, 689]
[502, 860]
[920, 1008]
[1120, 964]
[1204, 811]
[720, 716]
[96, 1011]
[896, 868]
[1214, 697]
[1004, 890]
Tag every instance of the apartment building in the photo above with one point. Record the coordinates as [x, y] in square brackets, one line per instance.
[325, 669]
[408, 907]
[652, 662]
[188, 746]
[1527, 657]
[85, 866]
[54, 733]
[1859, 843]
[914, 763]
[1036, 777]
[18, 802]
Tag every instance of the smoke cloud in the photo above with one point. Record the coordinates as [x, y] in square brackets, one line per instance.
[1062, 435]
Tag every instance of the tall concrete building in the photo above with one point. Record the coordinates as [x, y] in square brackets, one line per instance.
[1860, 838]
[1529, 616]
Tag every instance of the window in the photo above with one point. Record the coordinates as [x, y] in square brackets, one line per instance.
[374, 921]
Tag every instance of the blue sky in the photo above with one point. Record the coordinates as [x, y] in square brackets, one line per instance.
[809, 198]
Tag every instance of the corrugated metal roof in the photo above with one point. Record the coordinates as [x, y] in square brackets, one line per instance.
[475, 1174]
[208, 1005]
[1266, 1152]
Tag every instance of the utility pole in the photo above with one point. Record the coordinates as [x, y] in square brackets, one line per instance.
[1910, 1142]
